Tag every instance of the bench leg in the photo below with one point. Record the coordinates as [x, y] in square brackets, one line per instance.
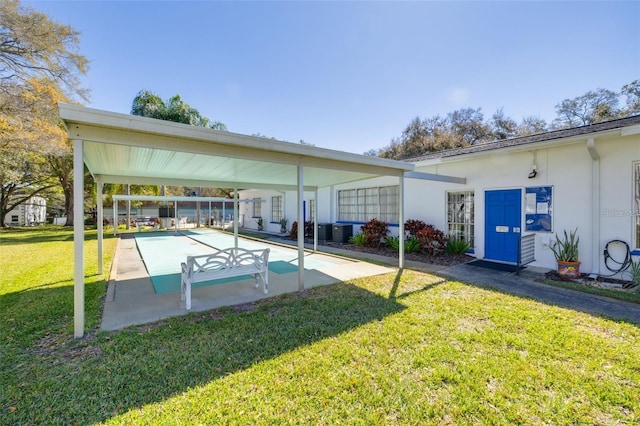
[188, 296]
[185, 293]
[265, 279]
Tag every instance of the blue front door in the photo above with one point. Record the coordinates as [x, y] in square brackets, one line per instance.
[502, 218]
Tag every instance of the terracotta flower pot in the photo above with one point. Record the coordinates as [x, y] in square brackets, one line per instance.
[569, 269]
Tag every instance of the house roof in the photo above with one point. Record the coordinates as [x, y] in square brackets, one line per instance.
[541, 139]
[123, 148]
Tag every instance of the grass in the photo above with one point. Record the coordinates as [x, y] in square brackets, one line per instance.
[611, 293]
[393, 349]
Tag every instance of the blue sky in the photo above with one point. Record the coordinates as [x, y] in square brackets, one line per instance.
[351, 75]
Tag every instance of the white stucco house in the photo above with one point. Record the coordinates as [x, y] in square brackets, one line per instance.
[585, 177]
[29, 213]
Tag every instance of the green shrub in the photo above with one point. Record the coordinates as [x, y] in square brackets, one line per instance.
[392, 242]
[457, 246]
[411, 245]
[358, 239]
[634, 270]
[566, 250]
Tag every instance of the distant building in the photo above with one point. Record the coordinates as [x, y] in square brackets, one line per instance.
[31, 212]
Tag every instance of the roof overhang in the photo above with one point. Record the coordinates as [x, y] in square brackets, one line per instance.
[122, 148]
[487, 149]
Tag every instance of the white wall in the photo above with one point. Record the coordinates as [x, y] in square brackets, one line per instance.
[290, 209]
[567, 168]
[617, 210]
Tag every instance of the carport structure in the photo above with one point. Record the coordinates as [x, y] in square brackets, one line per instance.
[122, 148]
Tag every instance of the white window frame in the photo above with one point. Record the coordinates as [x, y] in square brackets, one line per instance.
[460, 215]
[363, 204]
[257, 207]
[277, 203]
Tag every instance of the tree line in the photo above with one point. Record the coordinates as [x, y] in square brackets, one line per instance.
[468, 126]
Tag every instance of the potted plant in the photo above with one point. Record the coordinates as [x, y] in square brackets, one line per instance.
[260, 223]
[283, 225]
[566, 252]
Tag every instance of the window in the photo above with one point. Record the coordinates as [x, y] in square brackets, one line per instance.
[276, 208]
[361, 205]
[257, 207]
[460, 215]
[14, 218]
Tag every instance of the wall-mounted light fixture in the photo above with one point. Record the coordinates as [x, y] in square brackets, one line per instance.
[534, 167]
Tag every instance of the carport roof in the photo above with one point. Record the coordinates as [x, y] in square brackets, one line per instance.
[122, 148]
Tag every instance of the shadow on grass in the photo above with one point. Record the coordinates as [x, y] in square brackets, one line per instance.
[99, 377]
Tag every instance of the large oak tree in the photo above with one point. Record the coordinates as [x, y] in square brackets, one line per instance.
[39, 67]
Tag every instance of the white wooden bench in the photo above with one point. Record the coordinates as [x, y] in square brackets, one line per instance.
[231, 262]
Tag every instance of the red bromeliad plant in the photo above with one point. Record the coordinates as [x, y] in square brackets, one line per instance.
[431, 239]
[308, 230]
[413, 226]
[374, 232]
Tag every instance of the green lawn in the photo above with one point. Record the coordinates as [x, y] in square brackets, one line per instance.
[406, 349]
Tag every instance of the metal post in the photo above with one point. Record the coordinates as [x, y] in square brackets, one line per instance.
[315, 220]
[401, 224]
[300, 231]
[100, 230]
[235, 217]
[78, 239]
[115, 217]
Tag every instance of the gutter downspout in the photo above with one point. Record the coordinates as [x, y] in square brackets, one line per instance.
[595, 207]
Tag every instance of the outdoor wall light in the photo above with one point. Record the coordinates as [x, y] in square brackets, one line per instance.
[534, 172]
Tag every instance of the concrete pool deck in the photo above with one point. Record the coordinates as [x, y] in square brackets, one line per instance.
[132, 300]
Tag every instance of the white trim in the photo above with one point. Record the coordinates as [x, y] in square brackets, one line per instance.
[595, 206]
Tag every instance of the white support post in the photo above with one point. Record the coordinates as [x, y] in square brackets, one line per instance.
[401, 225]
[115, 217]
[235, 217]
[100, 227]
[78, 239]
[300, 229]
[315, 220]
[176, 221]
[224, 213]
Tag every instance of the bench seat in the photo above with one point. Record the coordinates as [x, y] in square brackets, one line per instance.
[226, 263]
